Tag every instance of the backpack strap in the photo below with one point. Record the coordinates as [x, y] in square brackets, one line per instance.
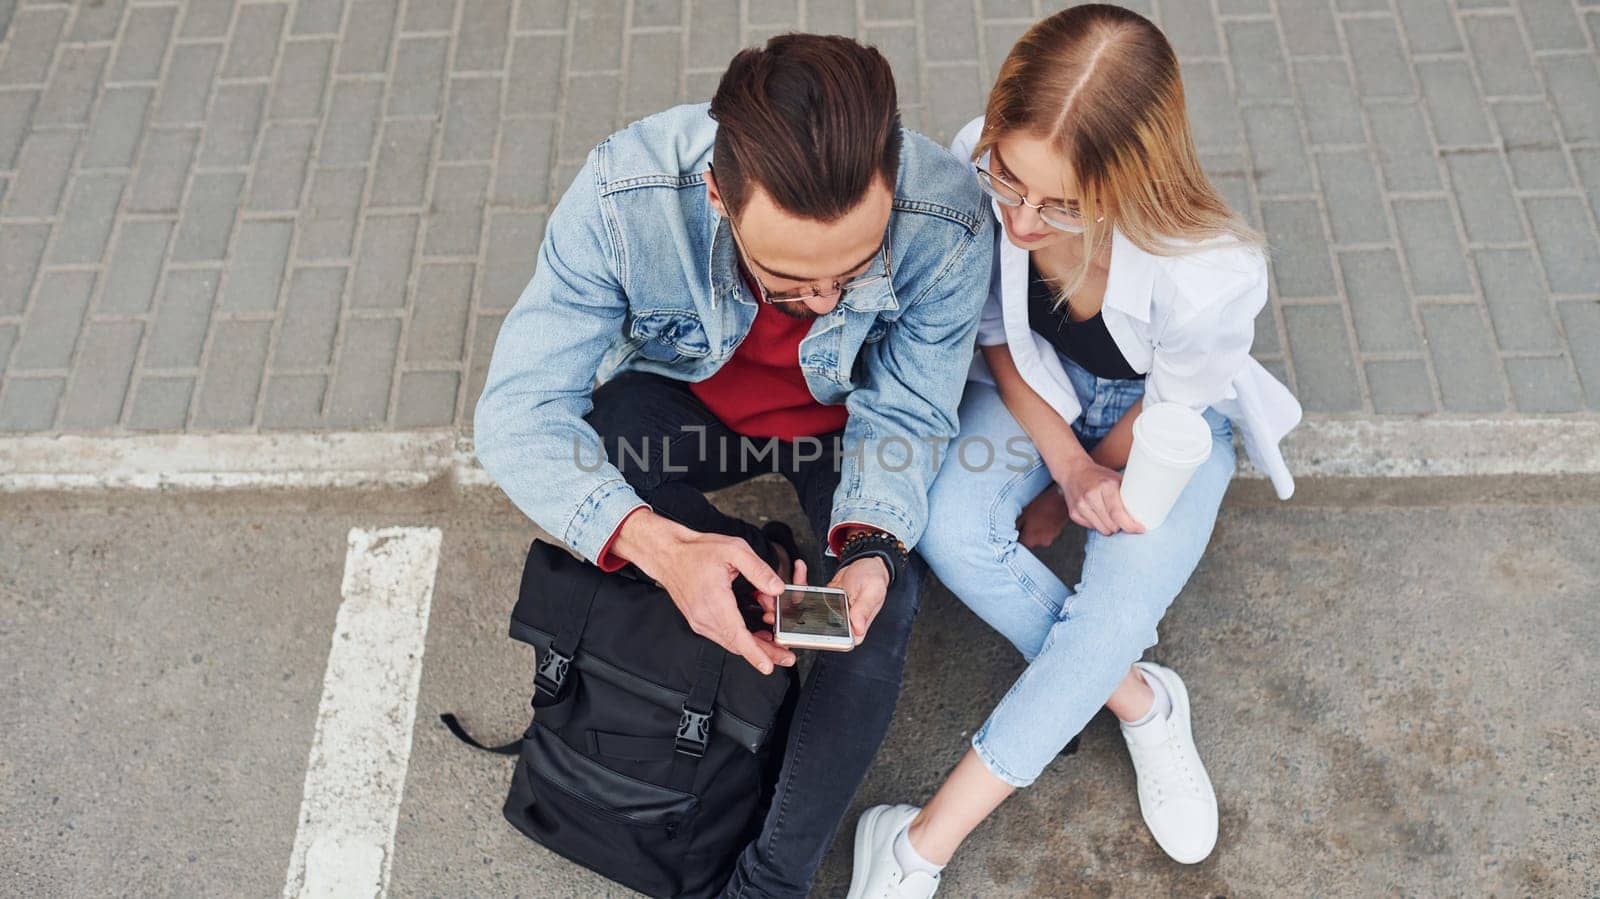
[694, 723]
[461, 734]
[550, 677]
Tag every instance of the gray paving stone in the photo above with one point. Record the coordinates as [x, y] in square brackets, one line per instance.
[1300, 255]
[1211, 106]
[1543, 385]
[183, 315]
[303, 75]
[484, 331]
[97, 21]
[206, 18]
[310, 318]
[1464, 359]
[1429, 25]
[293, 401]
[713, 31]
[86, 224]
[230, 132]
[160, 404]
[418, 86]
[653, 65]
[359, 395]
[1566, 242]
[16, 109]
[94, 398]
[1266, 342]
[1574, 83]
[1280, 156]
[1308, 27]
[1325, 89]
[473, 119]
[50, 330]
[482, 41]
[956, 36]
[654, 13]
[206, 222]
[143, 44]
[1380, 305]
[188, 84]
[1484, 194]
[1453, 101]
[1404, 148]
[522, 175]
[317, 17]
[427, 399]
[437, 15]
[130, 286]
[439, 314]
[1325, 370]
[232, 378]
[254, 48]
[352, 123]
[1380, 63]
[513, 248]
[1354, 200]
[404, 154]
[1587, 161]
[384, 265]
[458, 193]
[280, 168]
[29, 404]
[1399, 387]
[1532, 147]
[1503, 62]
[1433, 250]
[1552, 25]
[42, 170]
[256, 272]
[367, 31]
[1229, 174]
[329, 223]
[163, 171]
[1519, 308]
[118, 125]
[32, 44]
[534, 85]
[1580, 319]
[21, 248]
[8, 339]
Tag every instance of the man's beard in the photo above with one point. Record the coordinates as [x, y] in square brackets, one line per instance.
[797, 309]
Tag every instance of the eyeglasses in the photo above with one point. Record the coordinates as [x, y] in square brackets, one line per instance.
[1058, 217]
[809, 291]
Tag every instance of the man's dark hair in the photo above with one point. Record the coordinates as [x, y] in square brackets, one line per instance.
[812, 119]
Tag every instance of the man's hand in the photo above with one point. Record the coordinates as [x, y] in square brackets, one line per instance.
[1041, 521]
[697, 570]
[1094, 498]
[865, 583]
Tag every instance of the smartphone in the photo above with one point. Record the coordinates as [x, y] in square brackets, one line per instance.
[813, 618]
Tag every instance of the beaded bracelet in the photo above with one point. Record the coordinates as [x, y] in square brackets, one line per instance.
[865, 544]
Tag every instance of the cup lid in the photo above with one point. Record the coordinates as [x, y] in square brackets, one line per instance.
[1173, 433]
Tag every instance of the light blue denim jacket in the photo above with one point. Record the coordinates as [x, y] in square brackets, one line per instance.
[638, 272]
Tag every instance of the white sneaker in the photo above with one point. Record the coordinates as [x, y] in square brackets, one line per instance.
[1175, 794]
[877, 873]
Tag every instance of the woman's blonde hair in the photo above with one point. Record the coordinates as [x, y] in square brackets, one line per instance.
[1101, 85]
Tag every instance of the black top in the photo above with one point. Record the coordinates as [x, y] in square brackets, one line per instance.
[1087, 343]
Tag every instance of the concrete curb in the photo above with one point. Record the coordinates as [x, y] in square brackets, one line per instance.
[1322, 448]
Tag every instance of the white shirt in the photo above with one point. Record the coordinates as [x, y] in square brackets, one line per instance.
[1185, 322]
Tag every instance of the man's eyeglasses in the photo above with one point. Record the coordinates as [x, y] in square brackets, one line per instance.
[1058, 217]
[805, 292]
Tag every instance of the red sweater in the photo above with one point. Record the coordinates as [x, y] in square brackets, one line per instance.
[761, 391]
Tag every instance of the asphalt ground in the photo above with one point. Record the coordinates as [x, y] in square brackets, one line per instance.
[1393, 685]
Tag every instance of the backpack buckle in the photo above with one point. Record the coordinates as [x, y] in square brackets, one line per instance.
[694, 731]
[551, 673]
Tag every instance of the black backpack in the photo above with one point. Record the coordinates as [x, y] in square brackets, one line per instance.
[653, 752]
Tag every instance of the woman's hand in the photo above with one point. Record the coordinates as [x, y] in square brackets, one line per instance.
[1041, 521]
[1094, 498]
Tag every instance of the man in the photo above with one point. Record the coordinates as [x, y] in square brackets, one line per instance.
[790, 276]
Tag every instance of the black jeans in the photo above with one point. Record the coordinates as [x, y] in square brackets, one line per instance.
[671, 449]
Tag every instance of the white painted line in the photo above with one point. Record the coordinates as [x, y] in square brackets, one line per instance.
[344, 843]
[1319, 448]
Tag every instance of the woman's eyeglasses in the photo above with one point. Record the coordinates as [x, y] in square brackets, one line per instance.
[1058, 217]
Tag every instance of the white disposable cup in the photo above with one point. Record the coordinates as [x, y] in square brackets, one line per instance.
[1170, 441]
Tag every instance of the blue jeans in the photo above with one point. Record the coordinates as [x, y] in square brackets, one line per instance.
[1079, 641]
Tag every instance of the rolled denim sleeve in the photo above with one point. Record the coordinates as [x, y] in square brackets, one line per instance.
[529, 431]
[903, 415]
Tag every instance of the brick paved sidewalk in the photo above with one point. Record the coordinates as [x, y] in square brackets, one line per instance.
[314, 214]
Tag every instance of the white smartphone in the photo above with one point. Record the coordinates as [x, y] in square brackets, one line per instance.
[813, 618]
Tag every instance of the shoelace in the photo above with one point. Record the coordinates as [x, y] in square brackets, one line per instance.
[1168, 768]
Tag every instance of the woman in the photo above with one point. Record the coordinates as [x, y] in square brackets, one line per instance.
[1122, 280]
